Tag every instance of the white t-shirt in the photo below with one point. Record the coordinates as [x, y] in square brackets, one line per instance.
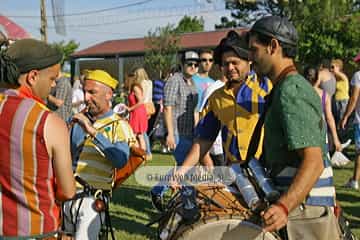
[355, 81]
[147, 87]
[216, 148]
[78, 95]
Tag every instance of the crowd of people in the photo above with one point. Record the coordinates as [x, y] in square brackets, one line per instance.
[61, 144]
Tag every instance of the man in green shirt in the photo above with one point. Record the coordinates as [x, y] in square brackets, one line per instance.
[294, 139]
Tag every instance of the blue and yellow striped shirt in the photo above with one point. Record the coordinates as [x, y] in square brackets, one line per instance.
[236, 116]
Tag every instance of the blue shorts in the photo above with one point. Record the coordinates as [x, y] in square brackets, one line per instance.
[183, 146]
[357, 137]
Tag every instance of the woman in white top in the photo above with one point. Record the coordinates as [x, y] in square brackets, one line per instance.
[146, 84]
[78, 100]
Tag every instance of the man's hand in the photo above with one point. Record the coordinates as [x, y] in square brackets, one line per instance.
[84, 123]
[343, 122]
[59, 102]
[178, 176]
[170, 141]
[275, 218]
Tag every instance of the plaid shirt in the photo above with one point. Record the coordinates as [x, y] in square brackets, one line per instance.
[62, 91]
[183, 98]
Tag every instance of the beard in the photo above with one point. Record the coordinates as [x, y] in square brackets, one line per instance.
[93, 109]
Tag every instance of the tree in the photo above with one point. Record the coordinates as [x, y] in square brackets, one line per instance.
[189, 24]
[162, 47]
[66, 48]
[327, 28]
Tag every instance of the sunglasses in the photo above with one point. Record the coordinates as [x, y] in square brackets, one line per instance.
[192, 64]
[206, 60]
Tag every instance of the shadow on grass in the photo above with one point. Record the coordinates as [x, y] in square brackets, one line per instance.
[352, 212]
[347, 195]
[133, 227]
[127, 199]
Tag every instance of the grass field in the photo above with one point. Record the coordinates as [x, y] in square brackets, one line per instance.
[131, 208]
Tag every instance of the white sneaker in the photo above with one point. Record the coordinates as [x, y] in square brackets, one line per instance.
[352, 184]
[338, 159]
[345, 144]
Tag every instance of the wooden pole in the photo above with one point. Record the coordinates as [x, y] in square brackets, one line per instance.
[43, 27]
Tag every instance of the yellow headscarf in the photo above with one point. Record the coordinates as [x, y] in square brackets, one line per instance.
[103, 77]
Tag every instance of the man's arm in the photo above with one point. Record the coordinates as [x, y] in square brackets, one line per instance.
[351, 105]
[308, 173]
[117, 152]
[168, 116]
[57, 102]
[198, 150]
[58, 144]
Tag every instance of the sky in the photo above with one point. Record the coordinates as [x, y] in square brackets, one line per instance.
[89, 22]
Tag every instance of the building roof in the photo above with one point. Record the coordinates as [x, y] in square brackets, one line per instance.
[11, 30]
[136, 46]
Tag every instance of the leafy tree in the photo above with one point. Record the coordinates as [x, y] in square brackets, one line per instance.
[162, 47]
[189, 24]
[327, 28]
[66, 48]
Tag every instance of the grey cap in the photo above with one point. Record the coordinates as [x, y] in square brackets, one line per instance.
[276, 27]
[191, 56]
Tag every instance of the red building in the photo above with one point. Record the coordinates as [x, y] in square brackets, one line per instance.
[116, 56]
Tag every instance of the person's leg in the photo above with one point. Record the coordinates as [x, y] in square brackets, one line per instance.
[87, 220]
[354, 181]
[183, 147]
[140, 138]
[218, 159]
[341, 132]
[148, 146]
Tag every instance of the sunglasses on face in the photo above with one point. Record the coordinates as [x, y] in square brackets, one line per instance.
[207, 60]
[192, 64]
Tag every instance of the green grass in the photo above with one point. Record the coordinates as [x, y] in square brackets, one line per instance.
[131, 208]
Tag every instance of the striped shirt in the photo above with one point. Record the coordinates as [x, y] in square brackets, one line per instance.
[93, 157]
[236, 116]
[27, 184]
[158, 90]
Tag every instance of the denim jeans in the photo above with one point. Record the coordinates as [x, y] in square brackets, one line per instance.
[147, 143]
[183, 146]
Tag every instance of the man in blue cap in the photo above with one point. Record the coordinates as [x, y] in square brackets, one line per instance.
[294, 140]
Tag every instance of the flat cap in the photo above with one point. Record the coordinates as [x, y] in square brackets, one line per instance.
[235, 42]
[276, 27]
[102, 77]
[30, 54]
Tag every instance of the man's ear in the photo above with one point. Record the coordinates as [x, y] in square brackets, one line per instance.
[109, 93]
[32, 77]
[274, 45]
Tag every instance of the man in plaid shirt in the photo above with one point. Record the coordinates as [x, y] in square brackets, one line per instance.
[180, 100]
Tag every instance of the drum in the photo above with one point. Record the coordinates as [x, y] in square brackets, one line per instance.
[222, 216]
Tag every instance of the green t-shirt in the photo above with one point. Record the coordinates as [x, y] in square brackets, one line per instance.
[293, 121]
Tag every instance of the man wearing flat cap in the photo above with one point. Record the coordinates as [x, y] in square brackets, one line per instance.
[35, 161]
[234, 109]
[294, 140]
[99, 143]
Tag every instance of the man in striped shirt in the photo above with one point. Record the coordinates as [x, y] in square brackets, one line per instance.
[35, 161]
[100, 143]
